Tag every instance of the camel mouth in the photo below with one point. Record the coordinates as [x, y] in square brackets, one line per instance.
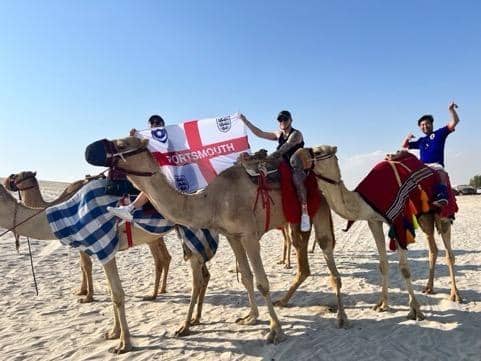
[10, 183]
[97, 153]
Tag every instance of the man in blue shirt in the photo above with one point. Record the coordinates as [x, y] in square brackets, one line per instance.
[431, 146]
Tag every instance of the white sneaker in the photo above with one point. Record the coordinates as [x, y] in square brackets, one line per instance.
[123, 212]
[305, 222]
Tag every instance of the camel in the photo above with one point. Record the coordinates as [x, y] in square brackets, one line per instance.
[26, 183]
[226, 205]
[351, 206]
[32, 222]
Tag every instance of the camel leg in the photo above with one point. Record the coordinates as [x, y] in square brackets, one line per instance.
[120, 329]
[378, 234]
[87, 283]
[414, 308]
[433, 255]
[426, 223]
[445, 230]
[286, 254]
[313, 246]
[288, 240]
[166, 258]
[196, 264]
[300, 241]
[325, 238]
[162, 261]
[284, 247]
[247, 281]
[252, 247]
[200, 302]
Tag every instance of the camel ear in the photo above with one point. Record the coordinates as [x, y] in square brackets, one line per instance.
[35, 173]
[334, 149]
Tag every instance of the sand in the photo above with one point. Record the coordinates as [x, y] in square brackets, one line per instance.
[54, 326]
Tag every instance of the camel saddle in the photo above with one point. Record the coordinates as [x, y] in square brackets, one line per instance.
[260, 164]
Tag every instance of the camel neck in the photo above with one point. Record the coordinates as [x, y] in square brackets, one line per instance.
[12, 213]
[181, 208]
[33, 198]
[346, 203]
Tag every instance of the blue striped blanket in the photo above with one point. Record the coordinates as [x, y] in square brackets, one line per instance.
[83, 222]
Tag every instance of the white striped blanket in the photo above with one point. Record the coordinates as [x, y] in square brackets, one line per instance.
[84, 223]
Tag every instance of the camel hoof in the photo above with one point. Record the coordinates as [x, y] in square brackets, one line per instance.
[120, 350]
[247, 320]
[287, 266]
[415, 315]
[275, 337]
[280, 303]
[455, 297]
[88, 299]
[149, 298]
[80, 292]
[163, 290]
[428, 290]
[381, 307]
[195, 322]
[183, 331]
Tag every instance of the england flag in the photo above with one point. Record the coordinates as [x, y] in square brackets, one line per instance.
[193, 153]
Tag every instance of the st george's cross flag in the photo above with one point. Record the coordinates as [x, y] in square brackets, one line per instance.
[193, 153]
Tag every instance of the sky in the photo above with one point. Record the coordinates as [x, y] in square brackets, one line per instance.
[356, 74]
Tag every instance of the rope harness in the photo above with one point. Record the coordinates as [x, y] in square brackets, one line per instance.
[263, 192]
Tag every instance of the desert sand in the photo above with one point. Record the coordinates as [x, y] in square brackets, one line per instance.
[53, 326]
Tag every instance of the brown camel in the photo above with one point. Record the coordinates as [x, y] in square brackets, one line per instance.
[351, 206]
[32, 222]
[26, 183]
[226, 205]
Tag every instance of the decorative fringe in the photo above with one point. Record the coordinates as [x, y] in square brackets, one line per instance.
[424, 201]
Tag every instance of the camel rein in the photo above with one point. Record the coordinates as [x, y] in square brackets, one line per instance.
[263, 191]
[122, 155]
[320, 176]
[17, 239]
[17, 183]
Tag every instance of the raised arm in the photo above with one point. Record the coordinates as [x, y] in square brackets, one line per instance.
[405, 144]
[257, 131]
[454, 116]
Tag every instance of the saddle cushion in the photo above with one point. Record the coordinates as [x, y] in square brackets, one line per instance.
[290, 202]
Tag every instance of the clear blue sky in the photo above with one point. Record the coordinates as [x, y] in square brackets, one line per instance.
[356, 74]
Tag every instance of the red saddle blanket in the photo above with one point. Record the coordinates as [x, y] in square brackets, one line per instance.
[399, 190]
[290, 202]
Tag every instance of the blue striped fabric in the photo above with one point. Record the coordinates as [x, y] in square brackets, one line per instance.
[83, 222]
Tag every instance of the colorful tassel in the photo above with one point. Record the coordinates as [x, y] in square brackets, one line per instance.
[424, 202]
[409, 237]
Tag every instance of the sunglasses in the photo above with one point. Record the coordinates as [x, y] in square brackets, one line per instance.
[283, 119]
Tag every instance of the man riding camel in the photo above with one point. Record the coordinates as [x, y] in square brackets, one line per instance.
[431, 147]
[289, 140]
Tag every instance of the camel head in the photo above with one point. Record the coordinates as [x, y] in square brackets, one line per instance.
[21, 181]
[129, 155]
[326, 164]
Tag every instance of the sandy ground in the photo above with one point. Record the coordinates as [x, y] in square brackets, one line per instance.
[53, 326]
